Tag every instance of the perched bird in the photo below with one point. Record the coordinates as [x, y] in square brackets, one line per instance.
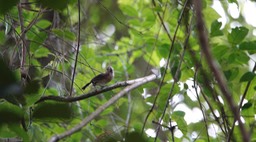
[102, 78]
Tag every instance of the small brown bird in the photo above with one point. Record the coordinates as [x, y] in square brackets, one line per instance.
[102, 78]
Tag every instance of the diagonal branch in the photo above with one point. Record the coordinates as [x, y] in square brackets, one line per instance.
[97, 112]
[203, 41]
[93, 93]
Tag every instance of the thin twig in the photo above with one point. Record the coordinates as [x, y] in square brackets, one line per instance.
[77, 49]
[241, 103]
[23, 48]
[167, 64]
[200, 105]
[178, 68]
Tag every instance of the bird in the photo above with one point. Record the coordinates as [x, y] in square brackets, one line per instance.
[102, 78]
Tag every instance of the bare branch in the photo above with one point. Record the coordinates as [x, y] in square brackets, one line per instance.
[93, 93]
[77, 49]
[97, 112]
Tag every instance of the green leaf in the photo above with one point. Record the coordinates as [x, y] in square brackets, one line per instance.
[163, 50]
[178, 113]
[248, 46]
[37, 41]
[64, 34]
[12, 114]
[233, 1]
[215, 29]
[157, 9]
[247, 105]
[129, 10]
[220, 51]
[32, 87]
[41, 52]
[174, 69]
[56, 4]
[213, 15]
[247, 77]
[178, 116]
[46, 110]
[43, 24]
[231, 74]
[134, 22]
[6, 5]
[237, 35]
[2, 37]
[135, 137]
[239, 58]
[148, 15]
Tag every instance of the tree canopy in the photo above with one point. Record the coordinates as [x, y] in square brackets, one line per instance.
[181, 73]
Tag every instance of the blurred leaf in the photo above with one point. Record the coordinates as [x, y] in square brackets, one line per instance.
[64, 34]
[52, 91]
[210, 14]
[163, 97]
[178, 117]
[231, 74]
[134, 22]
[37, 133]
[157, 9]
[174, 69]
[32, 87]
[47, 110]
[10, 90]
[178, 114]
[220, 51]
[148, 14]
[233, 1]
[215, 29]
[7, 77]
[239, 58]
[129, 10]
[10, 114]
[237, 35]
[2, 37]
[56, 4]
[41, 52]
[37, 41]
[247, 105]
[248, 46]
[135, 137]
[163, 50]
[6, 5]
[247, 77]
[43, 24]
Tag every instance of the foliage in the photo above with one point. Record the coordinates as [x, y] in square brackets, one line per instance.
[39, 41]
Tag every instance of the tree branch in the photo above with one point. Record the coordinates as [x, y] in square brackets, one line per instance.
[203, 40]
[82, 124]
[93, 93]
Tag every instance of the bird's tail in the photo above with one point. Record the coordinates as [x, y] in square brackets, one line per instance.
[86, 85]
